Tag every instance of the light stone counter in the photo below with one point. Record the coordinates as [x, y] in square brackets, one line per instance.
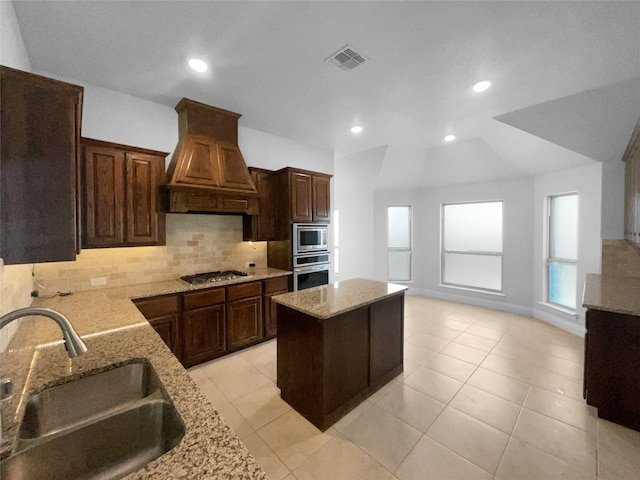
[330, 300]
[612, 294]
[116, 333]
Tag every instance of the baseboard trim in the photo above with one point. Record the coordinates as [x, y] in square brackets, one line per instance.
[480, 302]
[559, 321]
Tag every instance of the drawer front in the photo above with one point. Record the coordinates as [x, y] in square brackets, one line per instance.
[157, 306]
[244, 290]
[203, 298]
[276, 284]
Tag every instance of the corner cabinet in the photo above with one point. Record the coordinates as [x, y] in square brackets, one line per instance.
[632, 189]
[122, 203]
[163, 313]
[40, 133]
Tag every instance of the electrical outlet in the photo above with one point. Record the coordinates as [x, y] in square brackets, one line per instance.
[98, 281]
[250, 265]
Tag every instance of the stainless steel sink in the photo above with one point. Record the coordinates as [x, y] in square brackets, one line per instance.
[63, 406]
[101, 426]
[105, 449]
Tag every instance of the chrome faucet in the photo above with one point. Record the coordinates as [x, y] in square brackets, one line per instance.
[72, 341]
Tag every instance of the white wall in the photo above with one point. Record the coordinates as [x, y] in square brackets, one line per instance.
[517, 245]
[587, 182]
[13, 53]
[355, 177]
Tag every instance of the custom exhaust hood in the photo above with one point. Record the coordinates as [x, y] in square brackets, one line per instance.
[207, 173]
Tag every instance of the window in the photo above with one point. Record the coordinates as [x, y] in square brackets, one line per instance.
[336, 241]
[472, 245]
[399, 242]
[562, 250]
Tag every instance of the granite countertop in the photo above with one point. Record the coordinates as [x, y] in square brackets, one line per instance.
[330, 300]
[116, 333]
[612, 294]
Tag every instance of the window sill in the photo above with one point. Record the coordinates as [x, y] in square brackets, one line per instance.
[474, 290]
[567, 311]
[403, 282]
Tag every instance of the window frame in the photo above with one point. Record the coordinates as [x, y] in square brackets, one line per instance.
[549, 259]
[444, 251]
[401, 249]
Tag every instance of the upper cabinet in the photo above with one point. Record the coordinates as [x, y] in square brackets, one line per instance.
[632, 189]
[122, 203]
[40, 133]
[261, 227]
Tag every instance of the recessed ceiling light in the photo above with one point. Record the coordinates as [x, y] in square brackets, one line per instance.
[449, 138]
[356, 129]
[481, 86]
[198, 65]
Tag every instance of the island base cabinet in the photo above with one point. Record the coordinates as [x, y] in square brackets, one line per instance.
[612, 366]
[326, 367]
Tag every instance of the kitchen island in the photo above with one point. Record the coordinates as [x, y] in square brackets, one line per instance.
[612, 348]
[116, 333]
[337, 344]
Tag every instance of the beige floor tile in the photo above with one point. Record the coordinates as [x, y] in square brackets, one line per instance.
[464, 353]
[352, 415]
[476, 341]
[411, 406]
[522, 461]
[434, 384]
[451, 367]
[262, 406]
[476, 441]
[562, 366]
[485, 332]
[341, 460]
[384, 390]
[235, 389]
[455, 324]
[570, 443]
[290, 477]
[440, 330]
[263, 358]
[505, 387]
[563, 408]
[415, 354]
[555, 382]
[567, 352]
[226, 366]
[618, 451]
[267, 459]
[428, 341]
[487, 408]
[232, 417]
[429, 460]
[383, 436]
[518, 369]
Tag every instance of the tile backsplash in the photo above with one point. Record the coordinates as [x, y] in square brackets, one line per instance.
[620, 259]
[195, 243]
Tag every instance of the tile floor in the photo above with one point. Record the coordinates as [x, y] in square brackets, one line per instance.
[484, 395]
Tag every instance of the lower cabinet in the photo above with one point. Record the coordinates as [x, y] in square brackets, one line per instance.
[163, 313]
[201, 325]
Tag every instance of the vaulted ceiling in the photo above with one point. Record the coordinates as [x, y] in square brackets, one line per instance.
[566, 75]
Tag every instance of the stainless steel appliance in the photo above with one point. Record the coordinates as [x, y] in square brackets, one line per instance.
[310, 238]
[210, 277]
[311, 276]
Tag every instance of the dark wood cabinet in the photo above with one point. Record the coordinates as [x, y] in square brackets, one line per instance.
[122, 205]
[204, 326]
[273, 286]
[309, 196]
[41, 120]
[163, 313]
[244, 314]
[261, 227]
[327, 366]
[321, 201]
[612, 366]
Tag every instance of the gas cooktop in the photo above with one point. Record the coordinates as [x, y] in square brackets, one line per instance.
[208, 277]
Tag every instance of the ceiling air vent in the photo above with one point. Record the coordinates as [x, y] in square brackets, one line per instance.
[347, 58]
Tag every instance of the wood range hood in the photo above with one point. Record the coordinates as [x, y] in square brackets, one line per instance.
[207, 173]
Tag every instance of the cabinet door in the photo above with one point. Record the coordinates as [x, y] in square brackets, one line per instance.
[386, 337]
[244, 322]
[261, 227]
[321, 199]
[204, 334]
[301, 195]
[163, 314]
[145, 221]
[38, 160]
[167, 327]
[272, 286]
[104, 197]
